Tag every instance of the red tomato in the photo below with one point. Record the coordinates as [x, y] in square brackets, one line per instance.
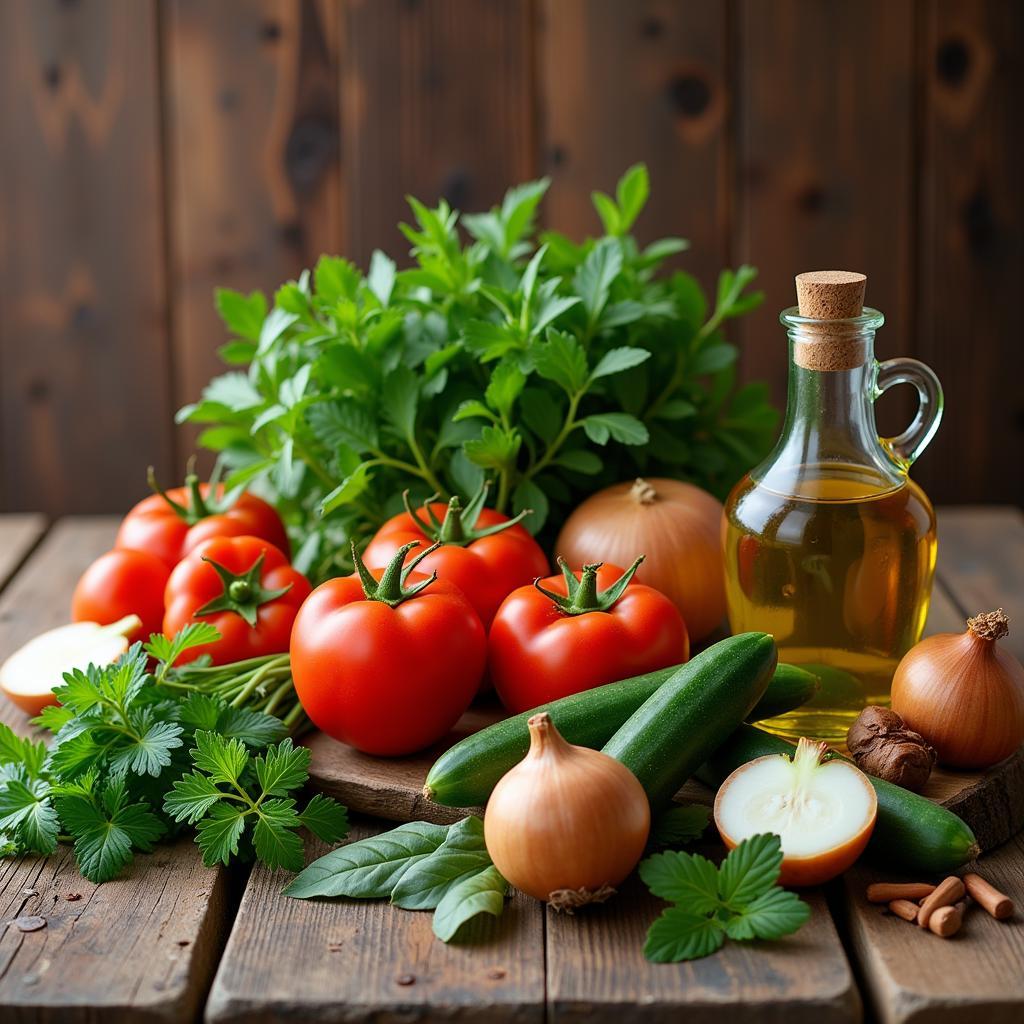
[484, 553]
[388, 668]
[171, 524]
[544, 646]
[122, 583]
[242, 585]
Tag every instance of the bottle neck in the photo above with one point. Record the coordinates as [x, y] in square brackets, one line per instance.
[829, 430]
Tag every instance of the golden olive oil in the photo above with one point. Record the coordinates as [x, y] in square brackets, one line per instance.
[840, 573]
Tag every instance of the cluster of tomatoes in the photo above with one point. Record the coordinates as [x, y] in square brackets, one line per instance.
[445, 601]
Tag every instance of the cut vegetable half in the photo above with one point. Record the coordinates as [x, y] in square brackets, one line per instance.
[29, 675]
[823, 811]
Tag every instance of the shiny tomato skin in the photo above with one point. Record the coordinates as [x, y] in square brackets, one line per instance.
[153, 526]
[536, 653]
[194, 583]
[387, 681]
[486, 570]
[121, 583]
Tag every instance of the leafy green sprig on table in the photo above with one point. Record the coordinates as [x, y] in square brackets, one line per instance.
[552, 367]
[418, 866]
[739, 900]
[116, 777]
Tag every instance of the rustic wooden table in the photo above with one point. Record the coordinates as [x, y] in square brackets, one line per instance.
[173, 940]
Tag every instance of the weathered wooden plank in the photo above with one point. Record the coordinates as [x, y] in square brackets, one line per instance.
[436, 101]
[83, 333]
[596, 971]
[367, 961]
[142, 947]
[18, 534]
[915, 976]
[971, 244]
[981, 562]
[815, 116]
[981, 565]
[252, 133]
[621, 83]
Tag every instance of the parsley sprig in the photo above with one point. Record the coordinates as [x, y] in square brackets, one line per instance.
[739, 900]
[139, 751]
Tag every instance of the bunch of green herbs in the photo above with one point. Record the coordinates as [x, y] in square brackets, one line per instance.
[139, 752]
[548, 367]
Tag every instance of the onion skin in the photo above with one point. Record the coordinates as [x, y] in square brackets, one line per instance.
[678, 527]
[566, 820]
[964, 694]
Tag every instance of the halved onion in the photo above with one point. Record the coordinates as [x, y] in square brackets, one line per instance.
[823, 811]
[29, 675]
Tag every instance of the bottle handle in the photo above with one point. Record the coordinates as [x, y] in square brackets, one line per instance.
[906, 447]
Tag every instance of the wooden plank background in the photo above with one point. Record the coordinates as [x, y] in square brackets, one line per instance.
[152, 149]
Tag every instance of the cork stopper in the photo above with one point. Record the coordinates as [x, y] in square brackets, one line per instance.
[830, 295]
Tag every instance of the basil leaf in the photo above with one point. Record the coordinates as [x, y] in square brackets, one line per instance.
[460, 856]
[482, 893]
[371, 867]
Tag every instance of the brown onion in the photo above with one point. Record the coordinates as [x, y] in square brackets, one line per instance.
[567, 824]
[964, 693]
[677, 525]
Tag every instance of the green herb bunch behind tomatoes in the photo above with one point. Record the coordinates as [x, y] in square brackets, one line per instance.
[245, 587]
[579, 630]
[484, 553]
[122, 583]
[170, 524]
[387, 660]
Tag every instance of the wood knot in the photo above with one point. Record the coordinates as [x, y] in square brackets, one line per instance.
[689, 94]
[953, 61]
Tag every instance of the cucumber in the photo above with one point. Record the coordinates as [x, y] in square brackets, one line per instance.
[910, 830]
[685, 720]
[465, 774]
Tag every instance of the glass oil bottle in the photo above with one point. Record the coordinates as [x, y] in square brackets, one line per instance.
[829, 545]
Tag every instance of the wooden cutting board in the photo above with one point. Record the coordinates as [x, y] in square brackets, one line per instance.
[991, 802]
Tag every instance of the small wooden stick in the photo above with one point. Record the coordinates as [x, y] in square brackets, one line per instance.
[906, 909]
[946, 921]
[946, 893]
[998, 904]
[886, 892]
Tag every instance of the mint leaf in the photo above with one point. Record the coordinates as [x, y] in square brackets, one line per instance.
[594, 279]
[369, 868]
[750, 870]
[191, 797]
[560, 358]
[679, 934]
[681, 825]
[618, 359]
[149, 753]
[277, 845]
[168, 649]
[283, 768]
[242, 314]
[631, 192]
[773, 914]
[26, 811]
[682, 878]
[218, 834]
[506, 384]
[618, 425]
[325, 818]
[482, 893]
[223, 760]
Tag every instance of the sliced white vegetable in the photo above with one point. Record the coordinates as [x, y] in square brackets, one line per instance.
[29, 675]
[811, 811]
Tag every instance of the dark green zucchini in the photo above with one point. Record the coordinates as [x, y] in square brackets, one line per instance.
[685, 720]
[465, 774]
[910, 830]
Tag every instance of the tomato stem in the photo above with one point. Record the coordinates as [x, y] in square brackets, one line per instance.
[391, 588]
[582, 595]
[459, 524]
[243, 593]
